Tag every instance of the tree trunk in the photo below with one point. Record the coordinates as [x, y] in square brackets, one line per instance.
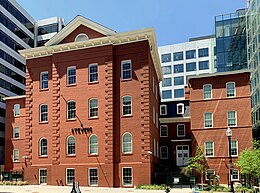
[201, 180]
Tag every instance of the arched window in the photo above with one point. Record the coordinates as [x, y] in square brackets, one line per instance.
[127, 143]
[81, 37]
[71, 145]
[93, 144]
[43, 147]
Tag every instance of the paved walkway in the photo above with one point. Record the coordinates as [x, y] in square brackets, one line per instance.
[64, 189]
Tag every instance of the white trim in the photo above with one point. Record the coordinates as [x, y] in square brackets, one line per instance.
[232, 179]
[19, 109]
[206, 148]
[236, 147]
[41, 74]
[68, 68]
[204, 91]
[181, 140]
[67, 175]
[90, 65]
[40, 110]
[235, 118]
[131, 176]
[123, 143]
[89, 145]
[16, 132]
[131, 106]
[18, 155]
[182, 108]
[205, 120]
[40, 147]
[161, 152]
[68, 148]
[165, 126]
[68, 110]
[40, 176]
[89, 177]
[207, 174]
[81, 34]
[175, 120]
[90, 109]
[182, 151]
[14, 97]
[126, 62]
[178, 130]
[234, 89]
[163, 106]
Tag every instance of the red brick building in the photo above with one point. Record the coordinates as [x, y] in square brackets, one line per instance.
[90, 109]
[219, 101]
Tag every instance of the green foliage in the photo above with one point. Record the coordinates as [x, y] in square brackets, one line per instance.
[14, 183]
[150, 187]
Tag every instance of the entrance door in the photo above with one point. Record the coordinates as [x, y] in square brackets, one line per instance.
[182, 155]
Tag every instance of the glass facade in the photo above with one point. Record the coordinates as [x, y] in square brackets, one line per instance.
[178, 68]
[177, 56]
[166, 58]
[231, 48]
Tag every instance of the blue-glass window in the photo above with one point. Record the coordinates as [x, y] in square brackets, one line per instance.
[166, 57]
[178, 80]
[178, 93]
[166, 82]
[190, 54]
[178, 68]
[190, 66]
[203, 65]
[166, 70]
[166, 94]
[203, 52]
[177, 56]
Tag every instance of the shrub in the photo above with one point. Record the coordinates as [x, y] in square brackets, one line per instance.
[151, 187]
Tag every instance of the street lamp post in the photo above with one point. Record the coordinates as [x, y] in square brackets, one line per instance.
[229, 134]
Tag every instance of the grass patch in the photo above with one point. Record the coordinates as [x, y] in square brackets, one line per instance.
[151, 187]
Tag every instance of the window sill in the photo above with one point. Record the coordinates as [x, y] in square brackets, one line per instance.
[16, 139]
[126, 116]
[43, 156]
[16, 161]
[17, 115]
[44, 89]
[127, 154]
[43, 122]
[94, 82]
[71, 85]
[71, 155]
[93, 155]
[127, 79]
[93, 118]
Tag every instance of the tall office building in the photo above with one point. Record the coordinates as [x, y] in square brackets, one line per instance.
[253, 44]
[181, 60]
[16, 33]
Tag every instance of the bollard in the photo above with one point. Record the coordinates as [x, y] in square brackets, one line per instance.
[75, 188]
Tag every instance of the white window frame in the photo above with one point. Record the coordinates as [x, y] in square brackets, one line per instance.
[154, 147]
[124, 143]
[229, 119]
[17, 110]
[40, 148]
[166, 128]
[156, 120]
[178, 130]
[157, 148]
[206, 173]
[204, 91]
[89, 73]
[16, 159]
[41, 80]
[211, 120]
[71, 110]
[89, 150]
[90, 176]
[78, 36]
[232, 176]
[234, 90]
[162, 154]
[68, 68]
[90, 108]
[125, 62]
[16, 130]
[67, 175]
[232, 148]
[161, 111]
[153, 115]
[41, 169]
[127, 185]
[67, 149]
[127, 105]
[182, 108]
[43, 113]
[206, 149]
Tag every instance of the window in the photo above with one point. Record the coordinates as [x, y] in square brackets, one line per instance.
[178, 93]
[234, 148]
[93, 176]
[71, 145]
[81, 37]
[126, 69]
[43, 147]
[93, 108]
[163, 109]
[180, 108]
[203, 52]
[154, 147]
[71, 110]
[178, 80]
[127, 177]
[207, 91]
[166, 94]
[190, 54]
[209, 173]
[153, 115]
[166, 82]
[235, 175]
[231, 89]
[166, 70]
[127, 143]
[232, 118]
[166, 57]
[70, 176]
[180, 130]
[44, 80]
[177, 56]
[17, 110]
[191, 66]
[42, 176]
[93, 73]
[16, 155]
[16, 133]
[127, 105]
[93, 145]
[153, 84]
[163, 131]
[43, 113]
[164, 152]
[157, 150]
[208, 120]
[204, 65]
[71, 75]
[209, 149]
[178, 68]
[156, 120]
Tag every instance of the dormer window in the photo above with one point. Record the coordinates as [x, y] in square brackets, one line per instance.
[81, 37]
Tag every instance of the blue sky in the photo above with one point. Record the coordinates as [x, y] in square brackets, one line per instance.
[175, 21]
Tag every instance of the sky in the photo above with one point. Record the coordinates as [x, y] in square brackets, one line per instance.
[174, 21]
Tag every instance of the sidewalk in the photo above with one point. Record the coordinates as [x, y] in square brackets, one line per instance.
[66, 189]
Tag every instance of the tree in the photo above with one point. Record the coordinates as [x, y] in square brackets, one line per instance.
[198, 163]
[249, 161]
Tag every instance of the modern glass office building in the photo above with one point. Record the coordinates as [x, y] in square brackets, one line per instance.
[253, 44]
[231, 47]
